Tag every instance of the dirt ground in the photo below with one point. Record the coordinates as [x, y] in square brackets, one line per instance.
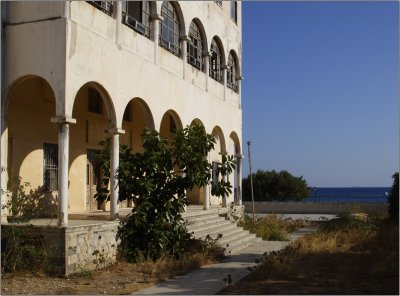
[121, 278]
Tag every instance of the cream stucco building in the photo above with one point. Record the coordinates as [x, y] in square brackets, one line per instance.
[77, 72]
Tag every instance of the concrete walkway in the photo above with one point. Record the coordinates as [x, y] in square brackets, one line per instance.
[210, 279]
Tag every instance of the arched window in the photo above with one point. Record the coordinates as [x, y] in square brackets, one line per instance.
[169, 33]
[215, 61]
[195, 47]
[136, 14]
[232, 73]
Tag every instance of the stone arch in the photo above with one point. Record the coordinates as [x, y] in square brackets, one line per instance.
[107, 102]
[169, 122]
[95, 115]
[137, 117]
[27, 132]
[217, 133]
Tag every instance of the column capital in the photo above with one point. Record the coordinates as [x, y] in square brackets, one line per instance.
[239, 156]
[224, 67]
[184, 38]
[239, 77]
[63, 119]
[157, 17]
[115, 131]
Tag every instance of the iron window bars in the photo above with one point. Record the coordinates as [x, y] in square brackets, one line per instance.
[215, 62]
[136, 15]
[169, 29]
[195, 47]
[50, 167]
[105, 6]
[231, 80]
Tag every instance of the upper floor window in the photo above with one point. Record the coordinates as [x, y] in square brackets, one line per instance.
[234, 11]
[195, 47]
[215, 61]
[136, 14]
[105, 6]
[218, 2]
[94, 101]
[169, 31]
[232, 73]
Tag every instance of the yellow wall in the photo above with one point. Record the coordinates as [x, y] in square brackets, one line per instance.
[31, 106]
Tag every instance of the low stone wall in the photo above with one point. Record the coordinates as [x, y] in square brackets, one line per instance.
[76, 248]
[90, 247]
[315, 208]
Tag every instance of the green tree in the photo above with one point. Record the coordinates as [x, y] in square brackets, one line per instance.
[394, 199]
[272, 185]
[157, 180]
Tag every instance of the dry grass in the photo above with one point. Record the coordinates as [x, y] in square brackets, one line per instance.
[272, 227]
[118, 279]
[345, 256]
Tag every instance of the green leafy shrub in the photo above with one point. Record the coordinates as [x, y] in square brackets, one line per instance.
[157, 181]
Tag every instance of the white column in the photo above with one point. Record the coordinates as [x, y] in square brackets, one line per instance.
[63, 163]
[156, 19]
[206, 203]
[206, 55]
[66, 9]
[114, 164]
[184, 40]
[118, 18]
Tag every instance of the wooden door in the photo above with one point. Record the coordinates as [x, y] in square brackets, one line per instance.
[92, 179]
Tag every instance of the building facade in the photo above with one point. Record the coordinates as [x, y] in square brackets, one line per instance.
[75, 73]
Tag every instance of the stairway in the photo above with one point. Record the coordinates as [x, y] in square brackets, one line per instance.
[213, 222]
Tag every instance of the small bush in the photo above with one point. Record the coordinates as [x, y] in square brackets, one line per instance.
[271, 227]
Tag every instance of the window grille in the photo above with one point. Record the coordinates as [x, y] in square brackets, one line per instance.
[231, 80]
[234, 11]
[50, 167]
[195, 47]
[136, 15]
[105, 6]
[169, 29]
[94, 101]
[215, 62]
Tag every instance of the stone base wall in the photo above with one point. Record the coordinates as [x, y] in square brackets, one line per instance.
[90, 247]
[78, 248]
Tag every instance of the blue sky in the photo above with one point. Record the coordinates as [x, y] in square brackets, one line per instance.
[320, 90]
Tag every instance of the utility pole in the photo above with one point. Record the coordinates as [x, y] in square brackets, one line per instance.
[251, 179]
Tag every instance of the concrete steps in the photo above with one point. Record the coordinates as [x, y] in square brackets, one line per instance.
[213, 223]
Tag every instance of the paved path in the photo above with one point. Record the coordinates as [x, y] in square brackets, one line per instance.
[209, 279]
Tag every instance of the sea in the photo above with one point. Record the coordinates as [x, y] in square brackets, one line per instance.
[348, 194]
